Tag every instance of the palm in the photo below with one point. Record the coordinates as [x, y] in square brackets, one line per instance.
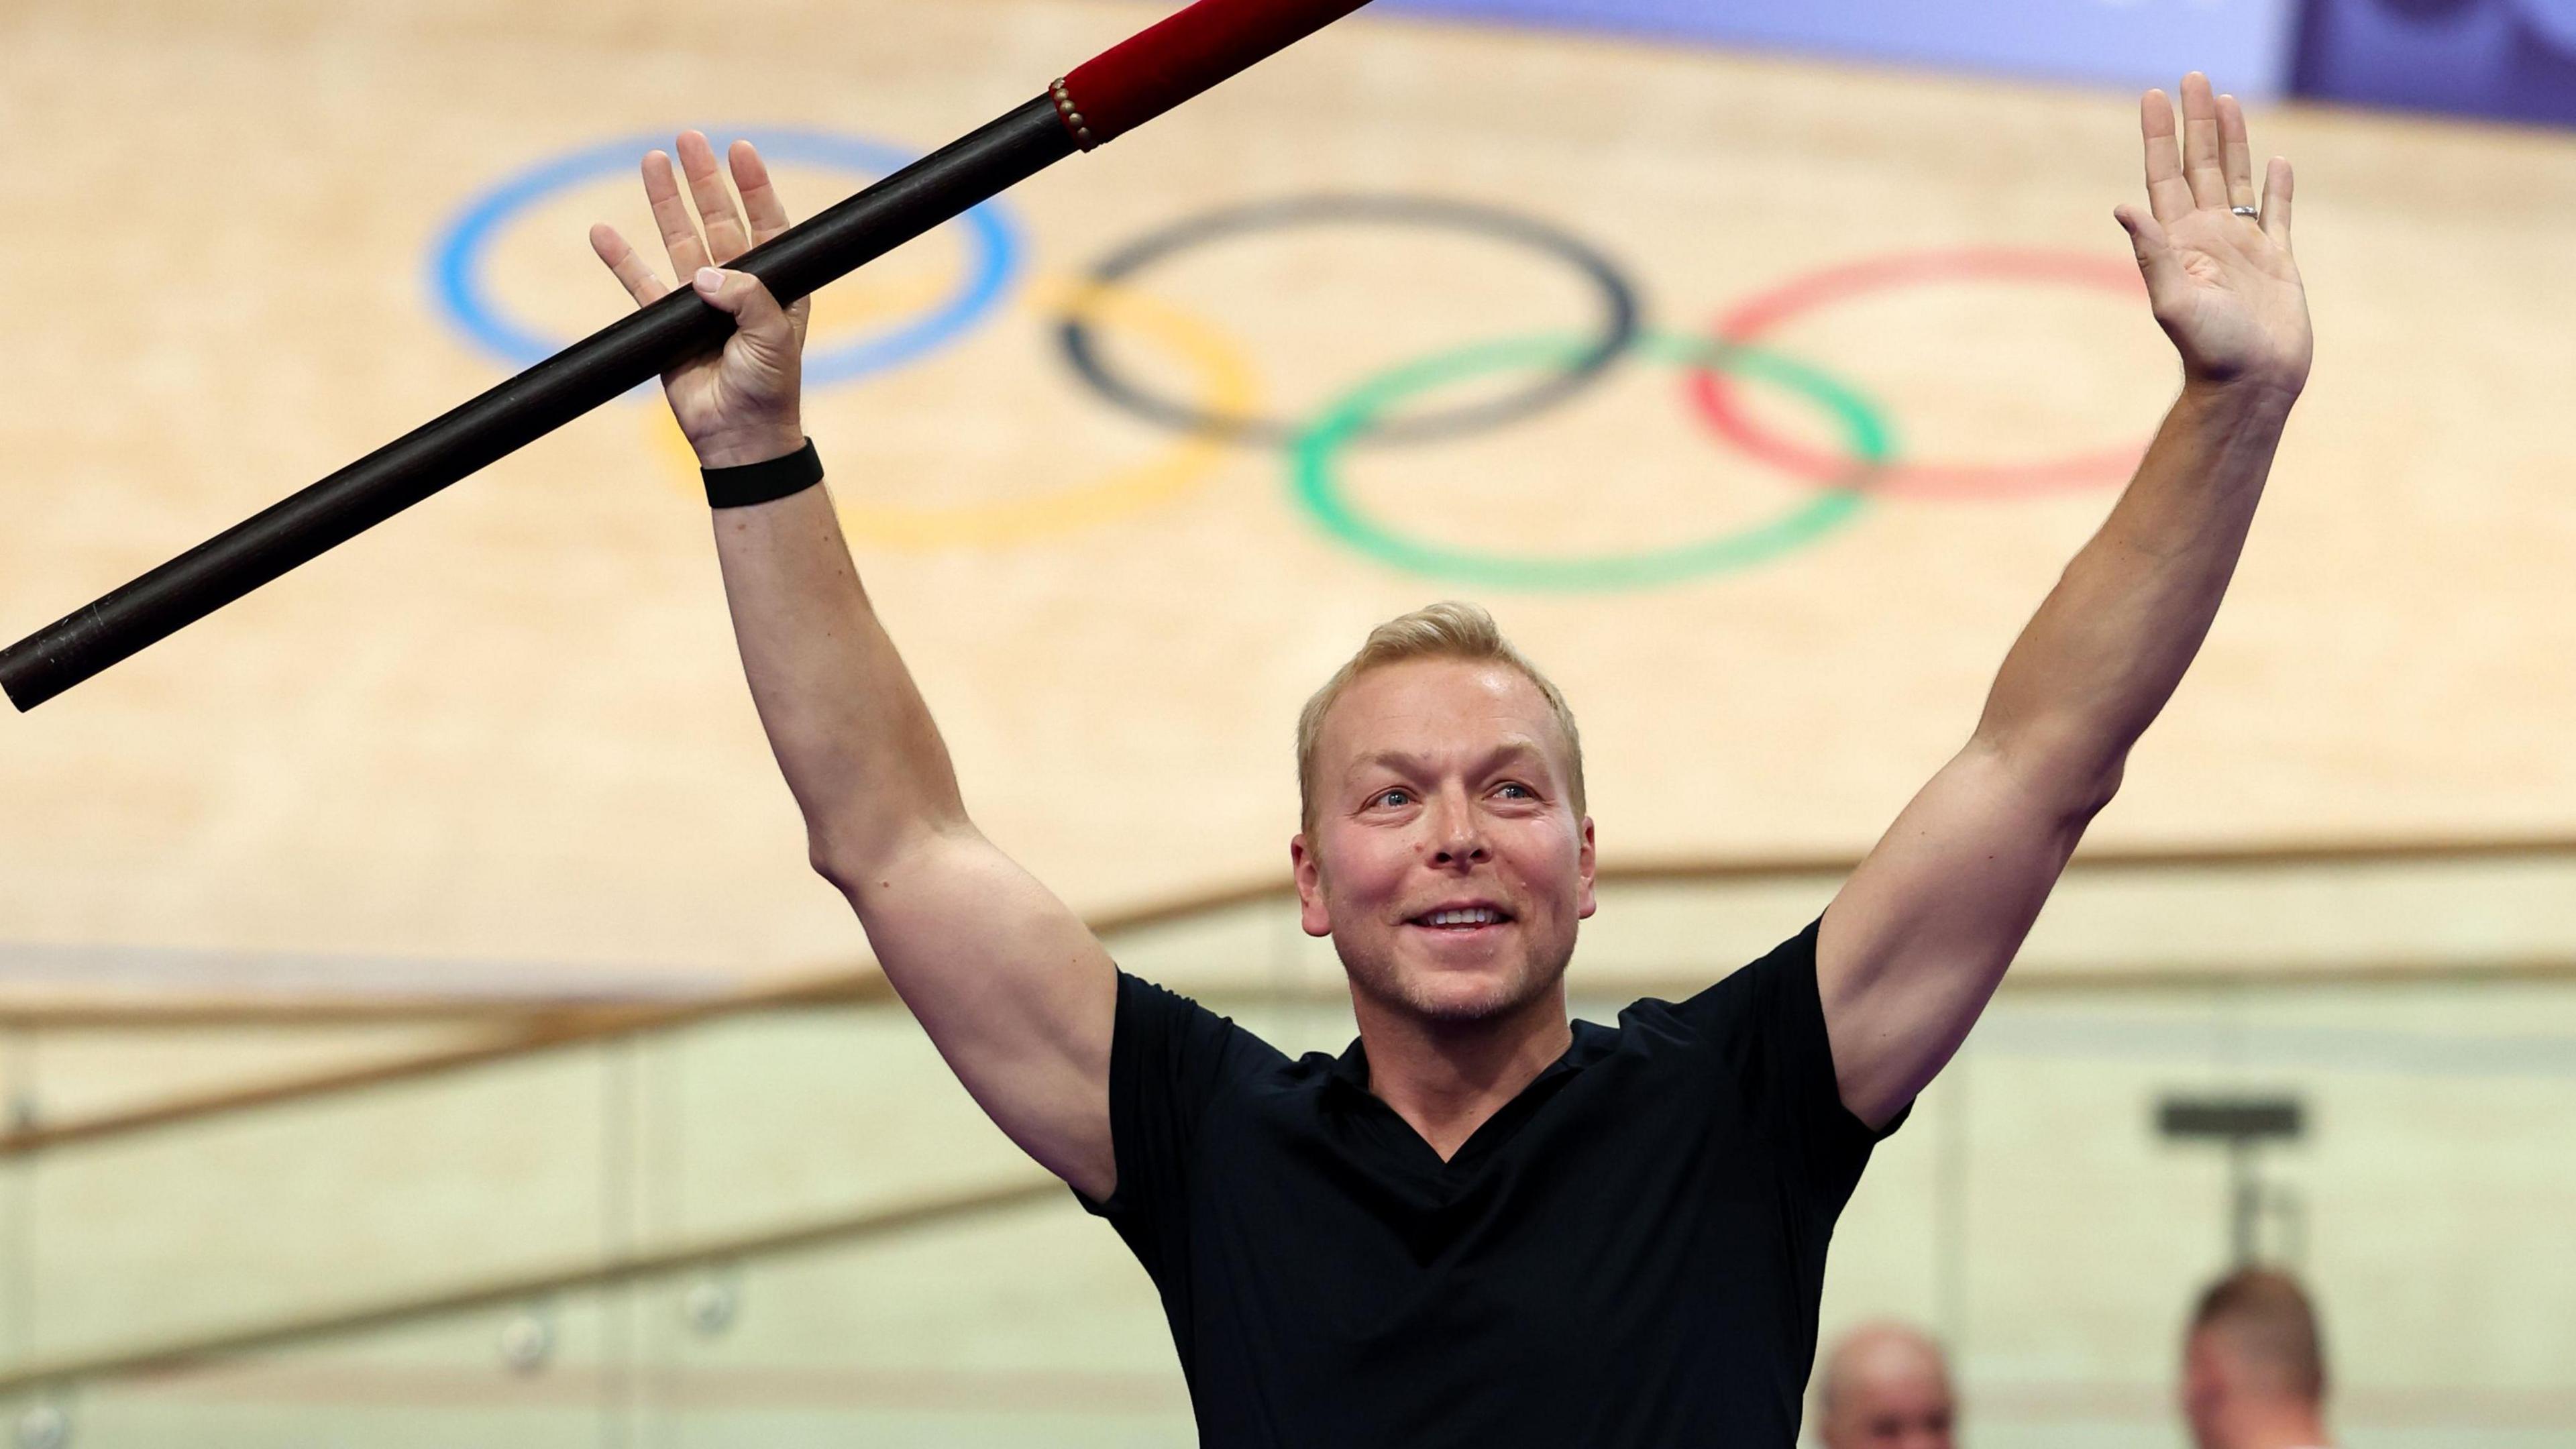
[2224, 284]
[750, 389]
[709, 390]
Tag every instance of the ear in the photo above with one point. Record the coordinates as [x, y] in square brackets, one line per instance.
[1312, 915]
[1584, 904]
[2203, 1377]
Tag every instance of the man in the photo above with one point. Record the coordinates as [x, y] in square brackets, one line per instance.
[1483, 1224]
[2254, 1365]
[1885, 1386]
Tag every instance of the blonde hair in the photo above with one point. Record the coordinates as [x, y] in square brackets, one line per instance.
[1448, 630]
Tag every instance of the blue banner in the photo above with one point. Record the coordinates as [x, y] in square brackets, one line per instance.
[2245, 45]
[2514, 59]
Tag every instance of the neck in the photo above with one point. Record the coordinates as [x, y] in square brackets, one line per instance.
[2276, 1424]
[1447, 1078]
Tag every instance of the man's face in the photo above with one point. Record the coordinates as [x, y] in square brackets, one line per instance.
[2204, 1387]
[1895, 1406]
[1445, 859]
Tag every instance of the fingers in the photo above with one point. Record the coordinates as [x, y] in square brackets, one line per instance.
[2235, 153]
[727, 237]
[2276, 200]
[760, 201]
[2202, 165]
[627, 266]
[671, 216]
[2168, 195]
[755, 312]
[766, 212]
[2147, 240]
[728, 234]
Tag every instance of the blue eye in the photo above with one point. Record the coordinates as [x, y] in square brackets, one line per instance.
[1526, 792]
[1395, 796]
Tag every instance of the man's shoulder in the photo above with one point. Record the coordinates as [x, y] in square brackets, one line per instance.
[1156, 1019]
[1740, 1000]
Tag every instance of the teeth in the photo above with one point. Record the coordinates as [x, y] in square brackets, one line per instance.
[1475, 916]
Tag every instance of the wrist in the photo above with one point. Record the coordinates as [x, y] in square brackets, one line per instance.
[742, 447]
[748, 485]
[2250, 396]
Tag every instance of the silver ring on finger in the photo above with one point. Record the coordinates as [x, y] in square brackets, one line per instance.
[2246, 210]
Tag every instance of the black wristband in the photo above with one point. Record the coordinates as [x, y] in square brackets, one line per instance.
[763, 482]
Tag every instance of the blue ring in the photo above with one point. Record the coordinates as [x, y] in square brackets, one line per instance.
[456, 281]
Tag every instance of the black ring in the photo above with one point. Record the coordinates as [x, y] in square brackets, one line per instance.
[1620, 312]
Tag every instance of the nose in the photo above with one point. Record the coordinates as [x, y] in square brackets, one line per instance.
[1456, 839]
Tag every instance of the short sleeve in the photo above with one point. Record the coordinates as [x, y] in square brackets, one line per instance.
[1766, 1024]
[1169, 1057]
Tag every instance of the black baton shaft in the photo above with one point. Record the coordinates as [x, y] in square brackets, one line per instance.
[924, 195]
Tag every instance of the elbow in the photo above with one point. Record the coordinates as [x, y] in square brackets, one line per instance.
[2078, 791]
[834, 864]
[852, 863]
[2070, 779]
[2094, 795]
[863, 858]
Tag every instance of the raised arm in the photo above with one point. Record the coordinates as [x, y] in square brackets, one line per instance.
[1919, 937]
[1012, 988]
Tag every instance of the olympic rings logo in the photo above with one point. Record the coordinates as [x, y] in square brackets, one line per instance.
[1224, 414]
[1226, 387]
[1757, 316]
[458, 263]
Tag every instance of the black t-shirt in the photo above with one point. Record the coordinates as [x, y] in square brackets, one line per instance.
[1629, 1253]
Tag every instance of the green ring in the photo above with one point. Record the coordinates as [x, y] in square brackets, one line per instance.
[1316, 453]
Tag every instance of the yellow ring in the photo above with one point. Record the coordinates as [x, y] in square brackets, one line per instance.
[1227, 389]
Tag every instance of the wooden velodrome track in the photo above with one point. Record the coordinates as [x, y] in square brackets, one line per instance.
[509, 726]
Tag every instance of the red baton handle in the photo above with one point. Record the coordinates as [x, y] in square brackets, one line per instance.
[1156, 69]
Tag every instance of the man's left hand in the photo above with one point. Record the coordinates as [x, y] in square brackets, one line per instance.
[2224, 285]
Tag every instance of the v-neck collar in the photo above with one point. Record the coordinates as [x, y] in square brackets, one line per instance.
[1348, 1075]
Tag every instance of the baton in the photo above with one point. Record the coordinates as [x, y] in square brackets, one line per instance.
[1093, 104]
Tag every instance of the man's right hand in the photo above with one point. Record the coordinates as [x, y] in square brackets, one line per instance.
[1020, 998]
[740, 405]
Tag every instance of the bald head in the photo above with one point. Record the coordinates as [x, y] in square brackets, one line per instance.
[1885, 1386]
[2254, 1363]
[2260, 1321]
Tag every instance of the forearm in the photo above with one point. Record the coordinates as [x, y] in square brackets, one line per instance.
[850, 731]
[2113, 639]
[1918, 938]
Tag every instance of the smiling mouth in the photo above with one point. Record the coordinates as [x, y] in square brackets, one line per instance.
[1461, 920]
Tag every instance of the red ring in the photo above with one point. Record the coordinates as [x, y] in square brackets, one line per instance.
[1714, 393]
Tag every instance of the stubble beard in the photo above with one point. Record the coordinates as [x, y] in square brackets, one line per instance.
[1384, 981]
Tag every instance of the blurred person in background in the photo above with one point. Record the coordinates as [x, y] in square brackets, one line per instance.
[1885, 1385]
[2254, 1365]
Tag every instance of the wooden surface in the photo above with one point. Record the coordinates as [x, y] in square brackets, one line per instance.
[509, 726]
